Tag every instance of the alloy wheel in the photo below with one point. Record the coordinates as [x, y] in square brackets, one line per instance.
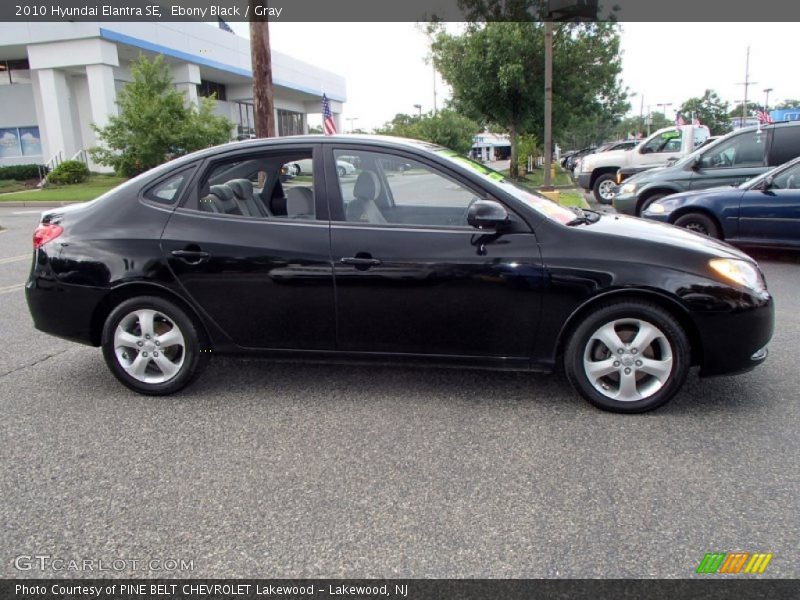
[149, 346]
[628, 360]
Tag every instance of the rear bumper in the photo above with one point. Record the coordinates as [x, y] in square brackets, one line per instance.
[63, 310]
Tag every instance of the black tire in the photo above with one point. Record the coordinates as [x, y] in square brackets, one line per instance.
[700, 223]
[648, 201]
[582, 345]
[193, 355]
[601, 182]
[341, 171]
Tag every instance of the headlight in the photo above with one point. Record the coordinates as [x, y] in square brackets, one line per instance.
[628, 188]
[739, 271]
[662, 207]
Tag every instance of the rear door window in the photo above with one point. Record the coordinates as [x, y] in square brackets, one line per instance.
[785, 144]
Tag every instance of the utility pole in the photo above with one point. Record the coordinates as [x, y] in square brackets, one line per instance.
[747, 83]
[433, 63]
[261, 57]
[548, 104]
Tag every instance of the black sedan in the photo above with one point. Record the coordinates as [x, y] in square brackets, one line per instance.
[446, 263]
[762, 212]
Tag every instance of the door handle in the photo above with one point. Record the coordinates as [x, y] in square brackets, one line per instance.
[362, 262]
[192, 257]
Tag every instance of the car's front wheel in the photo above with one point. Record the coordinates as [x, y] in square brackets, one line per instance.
[604, 188]
[341, 171]
[700, 223]
[628, 356]
[152, 346]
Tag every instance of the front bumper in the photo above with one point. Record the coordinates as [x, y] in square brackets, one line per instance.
[585, 180]
[735, 341]
[625, 203]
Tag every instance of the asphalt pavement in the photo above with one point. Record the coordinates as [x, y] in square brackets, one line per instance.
[293, 470]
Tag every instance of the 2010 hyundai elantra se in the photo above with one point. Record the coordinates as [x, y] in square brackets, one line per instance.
[419, 254]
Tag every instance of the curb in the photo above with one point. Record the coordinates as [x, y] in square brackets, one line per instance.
[39, 203]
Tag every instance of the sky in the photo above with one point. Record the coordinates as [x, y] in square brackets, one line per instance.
[384, 64]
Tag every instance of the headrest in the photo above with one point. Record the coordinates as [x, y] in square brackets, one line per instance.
[367, 186]
[299, 202]
[223, 192]
[243, 188]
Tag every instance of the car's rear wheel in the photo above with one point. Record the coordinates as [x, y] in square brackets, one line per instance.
[341, 171]
[628, 356]
[152, 346]
[604, 188]
[699, 223]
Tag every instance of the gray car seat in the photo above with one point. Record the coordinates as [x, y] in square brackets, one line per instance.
[224, 200]
[243, 191]
[363, 208]
[300, 203]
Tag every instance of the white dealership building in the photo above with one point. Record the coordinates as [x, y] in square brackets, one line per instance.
[56, 79]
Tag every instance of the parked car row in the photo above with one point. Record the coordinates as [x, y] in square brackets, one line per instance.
[744, 189]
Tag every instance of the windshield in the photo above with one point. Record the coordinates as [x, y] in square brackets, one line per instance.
[540, 204]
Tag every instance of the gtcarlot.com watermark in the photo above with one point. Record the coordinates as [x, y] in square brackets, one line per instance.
[46, 562]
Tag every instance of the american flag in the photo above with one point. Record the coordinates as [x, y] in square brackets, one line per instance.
[224, 26]
[763, 116]
[695, 120]
[328, 124]
[679, 120]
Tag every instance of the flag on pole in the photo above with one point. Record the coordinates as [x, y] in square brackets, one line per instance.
[679, 119]
[224, 26]
[695, 119]
[764, 118]
[328, 124]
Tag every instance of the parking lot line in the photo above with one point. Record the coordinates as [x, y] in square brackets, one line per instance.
[12, 259]
[11, 288]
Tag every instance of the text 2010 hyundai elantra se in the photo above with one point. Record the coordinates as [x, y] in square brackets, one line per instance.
[419, 255]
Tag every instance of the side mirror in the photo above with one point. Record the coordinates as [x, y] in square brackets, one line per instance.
[487, 214]
[767, 183]
[696, 163]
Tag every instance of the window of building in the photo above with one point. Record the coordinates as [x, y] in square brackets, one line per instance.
[290, 123]
[20, 141]
[14, 71]
[246, 122]
[206, 89]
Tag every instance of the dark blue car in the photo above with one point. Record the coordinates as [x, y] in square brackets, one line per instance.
[761, 212]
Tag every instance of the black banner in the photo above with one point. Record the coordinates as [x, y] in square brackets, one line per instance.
[398, 589]
[388, 10]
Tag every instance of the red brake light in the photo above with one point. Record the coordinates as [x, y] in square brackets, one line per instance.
[45, 232]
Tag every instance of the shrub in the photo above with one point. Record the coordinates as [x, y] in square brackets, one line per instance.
[69, 171]
[21, 172]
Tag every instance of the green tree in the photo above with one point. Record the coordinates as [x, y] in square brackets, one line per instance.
[155, 124]
[788, 103]
[496, 71]
[446, 128]
[710, 109]
[736, 111]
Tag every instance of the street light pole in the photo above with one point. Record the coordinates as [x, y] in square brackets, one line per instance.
[419, 108]
[766, 100]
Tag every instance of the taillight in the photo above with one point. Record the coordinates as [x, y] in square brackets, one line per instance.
[45, 232]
